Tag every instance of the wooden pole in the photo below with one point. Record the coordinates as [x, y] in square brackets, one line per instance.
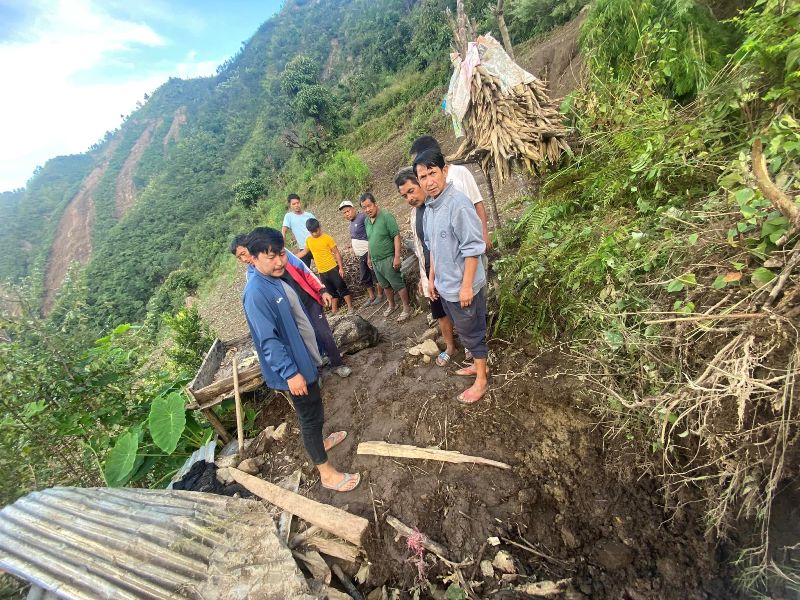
[333, 520]
[238, 399]
[426, 542]
[406, 451]
[217, 425]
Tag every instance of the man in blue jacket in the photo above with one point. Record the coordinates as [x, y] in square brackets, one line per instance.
[454, 237]
[287, 350]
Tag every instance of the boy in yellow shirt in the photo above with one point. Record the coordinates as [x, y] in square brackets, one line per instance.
[329, 264]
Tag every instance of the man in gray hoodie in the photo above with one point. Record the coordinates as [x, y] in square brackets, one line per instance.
[454, 237]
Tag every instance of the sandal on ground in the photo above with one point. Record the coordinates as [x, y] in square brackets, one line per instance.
[348, 477]
[389, 310]
[403, 316]
[468, 371]
[469, 397]
[442, 359]
[335, 438]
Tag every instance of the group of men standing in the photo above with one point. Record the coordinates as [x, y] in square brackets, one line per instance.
[283, 299]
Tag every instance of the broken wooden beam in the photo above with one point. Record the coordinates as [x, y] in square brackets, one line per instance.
[427, 543]
[226, 384]
[406, 451]
[333, 520]
[316, 565]
[333, 548]
[303, 536]
[291, 483]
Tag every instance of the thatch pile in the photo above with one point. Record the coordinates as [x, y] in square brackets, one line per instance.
[522, 125]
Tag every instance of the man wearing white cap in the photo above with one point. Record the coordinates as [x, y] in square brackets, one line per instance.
[358, 240]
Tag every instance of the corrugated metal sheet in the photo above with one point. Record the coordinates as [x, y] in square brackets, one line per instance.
[129, 543]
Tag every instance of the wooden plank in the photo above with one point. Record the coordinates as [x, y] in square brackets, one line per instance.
[291, 483]
[406, 451]
[303, 536]
[333, 520]
[217, 425]
[238, 402]
[331, 547]
[225, 385]
[209, 366]
[316, 565]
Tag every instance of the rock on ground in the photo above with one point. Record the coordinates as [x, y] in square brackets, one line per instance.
[353, 333]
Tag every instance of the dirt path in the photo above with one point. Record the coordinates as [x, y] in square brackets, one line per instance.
[604, 531]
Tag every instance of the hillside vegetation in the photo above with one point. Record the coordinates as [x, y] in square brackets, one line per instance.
[657, 216]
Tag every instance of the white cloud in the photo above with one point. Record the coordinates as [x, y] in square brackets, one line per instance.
[50, 104]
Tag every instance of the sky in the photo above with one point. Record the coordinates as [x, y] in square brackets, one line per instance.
[71, 68]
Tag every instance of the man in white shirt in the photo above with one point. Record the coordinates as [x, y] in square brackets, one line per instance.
[295, 220]
[461, 179]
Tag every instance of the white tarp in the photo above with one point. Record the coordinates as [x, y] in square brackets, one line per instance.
[488, 52]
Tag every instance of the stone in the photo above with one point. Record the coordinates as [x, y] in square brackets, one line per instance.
[612, 555]
[353, 333]
[430, 334]
[227, 461]
[503, 561]
[570, 541]
[487, 570]
[429, 348]
[414, 351]
[224, 475]
[252, 465]
[280, 432]
[426, 359]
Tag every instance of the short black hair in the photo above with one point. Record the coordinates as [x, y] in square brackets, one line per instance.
[367, 196]
[312, 224]
[291, 197]
[239, 240]
[429, 158]
[423, 143]
[405, 174]
[265, 239]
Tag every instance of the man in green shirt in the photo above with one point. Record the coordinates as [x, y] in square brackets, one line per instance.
[383, 235]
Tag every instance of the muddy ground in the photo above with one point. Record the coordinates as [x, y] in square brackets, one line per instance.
[603, 530]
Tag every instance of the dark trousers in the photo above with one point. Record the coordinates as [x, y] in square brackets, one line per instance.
[470, 323]
[307, 259]
[311, 415]
[324, 335]
[334, 283]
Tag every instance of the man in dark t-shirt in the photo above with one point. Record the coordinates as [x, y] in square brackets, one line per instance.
[358, 240]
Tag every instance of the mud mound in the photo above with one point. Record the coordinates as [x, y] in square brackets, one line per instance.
[73, 240]
[125, 193]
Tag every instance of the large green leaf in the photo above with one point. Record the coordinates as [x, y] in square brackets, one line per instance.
[121, 459]
[167, 420]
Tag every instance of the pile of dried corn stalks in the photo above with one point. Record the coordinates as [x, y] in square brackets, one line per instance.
[522, 126]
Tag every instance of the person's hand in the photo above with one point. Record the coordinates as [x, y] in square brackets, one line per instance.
[488, 241]
[327, 299]
[432, 290]
[420, 291]
[396, 263]
[369, 262]
[465, 296]
[341, 272]
[297, 385]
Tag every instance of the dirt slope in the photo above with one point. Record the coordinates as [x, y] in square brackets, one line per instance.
[178, 121]
[73, 240]
[602, 530]
[125, 192]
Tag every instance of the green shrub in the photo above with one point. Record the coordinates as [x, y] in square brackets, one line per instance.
[345, 175]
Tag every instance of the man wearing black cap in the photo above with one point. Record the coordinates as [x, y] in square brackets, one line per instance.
[358, 240]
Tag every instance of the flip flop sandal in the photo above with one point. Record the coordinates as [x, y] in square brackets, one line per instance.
[469, 371]
[348, 477]
[467, 354]
[389, 310]
[442, 359]
[403, 316]
[466, 398]
[336, 438]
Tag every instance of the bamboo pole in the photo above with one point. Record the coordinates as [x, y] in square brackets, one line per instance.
[406, 451]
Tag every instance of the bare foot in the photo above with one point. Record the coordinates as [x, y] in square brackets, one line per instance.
[473, 394]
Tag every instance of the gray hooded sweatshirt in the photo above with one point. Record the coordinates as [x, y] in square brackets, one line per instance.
[452, 233]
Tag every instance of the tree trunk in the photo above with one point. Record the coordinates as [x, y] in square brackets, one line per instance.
[501, 25]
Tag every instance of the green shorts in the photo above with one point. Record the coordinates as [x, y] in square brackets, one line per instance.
[387, 276]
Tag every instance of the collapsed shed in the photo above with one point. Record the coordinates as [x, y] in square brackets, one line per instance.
[86, 543]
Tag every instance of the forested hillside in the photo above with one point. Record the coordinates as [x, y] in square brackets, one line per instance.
[654, 264]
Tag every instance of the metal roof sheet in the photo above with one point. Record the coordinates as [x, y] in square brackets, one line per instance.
[132, 543]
